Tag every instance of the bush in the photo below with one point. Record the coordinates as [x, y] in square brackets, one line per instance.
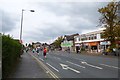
[11, 50]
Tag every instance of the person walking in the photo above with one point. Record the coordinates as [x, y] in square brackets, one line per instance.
[33, 50]
[44, 52]
[68, 50]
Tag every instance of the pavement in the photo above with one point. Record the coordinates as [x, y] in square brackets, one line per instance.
[28, 68]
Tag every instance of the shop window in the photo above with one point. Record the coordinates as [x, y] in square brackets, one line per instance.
[93, 47]
[75, 39]
[89, 38]
[79, 39]
[95, 37]
[82, 39]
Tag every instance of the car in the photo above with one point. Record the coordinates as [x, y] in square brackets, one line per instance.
[116, 52]
[104, 52]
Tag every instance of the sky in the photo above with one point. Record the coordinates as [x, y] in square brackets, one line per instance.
[51, 19]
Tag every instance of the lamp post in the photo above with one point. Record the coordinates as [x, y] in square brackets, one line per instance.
[22, 24]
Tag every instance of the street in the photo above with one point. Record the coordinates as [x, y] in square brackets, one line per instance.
[70, 65]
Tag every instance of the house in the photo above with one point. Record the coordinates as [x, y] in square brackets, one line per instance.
[37, 44]
[68, 42]
[92, 41]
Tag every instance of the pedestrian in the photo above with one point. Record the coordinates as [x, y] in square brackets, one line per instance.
[26, 50]
[44, 52]
[37, 51]
[80, 50]
[33, 50]
[68, 50]
[77, 49]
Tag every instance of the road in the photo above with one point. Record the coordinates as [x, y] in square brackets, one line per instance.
[69, 65]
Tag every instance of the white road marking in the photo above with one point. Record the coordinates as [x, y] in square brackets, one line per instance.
[91, 65]
[57, 58]
[83, 62]
[75, 64]
[74, 70]
[45, 67]
[66, 68]
[47, 71]
[41, 59]
[80, 59]
[110, 66]
[52, 67]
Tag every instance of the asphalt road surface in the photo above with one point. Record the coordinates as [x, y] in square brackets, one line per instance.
[69, 65]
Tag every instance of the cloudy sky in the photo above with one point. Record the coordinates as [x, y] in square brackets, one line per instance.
[51, 19]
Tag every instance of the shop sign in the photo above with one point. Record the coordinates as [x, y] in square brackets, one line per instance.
[66, 44]
[105, 43]
[93, 43]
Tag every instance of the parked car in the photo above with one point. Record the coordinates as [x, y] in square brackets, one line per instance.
[106, 52]
[116, 52]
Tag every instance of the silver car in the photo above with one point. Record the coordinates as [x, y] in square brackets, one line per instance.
[117, 52]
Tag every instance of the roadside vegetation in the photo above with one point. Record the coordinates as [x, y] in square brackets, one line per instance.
[11, 51]
[110, 20]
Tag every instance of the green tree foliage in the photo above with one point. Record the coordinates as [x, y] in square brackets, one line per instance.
[11, 50]
[110, 21]
[57, 42]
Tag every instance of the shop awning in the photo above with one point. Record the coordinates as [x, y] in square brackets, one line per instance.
[93, 43]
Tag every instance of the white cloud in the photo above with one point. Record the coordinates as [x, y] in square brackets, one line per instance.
[50, 19]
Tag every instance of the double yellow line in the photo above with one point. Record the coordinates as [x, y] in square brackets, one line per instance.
[46, 68]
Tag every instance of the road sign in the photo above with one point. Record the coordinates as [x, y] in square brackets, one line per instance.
[66, 44]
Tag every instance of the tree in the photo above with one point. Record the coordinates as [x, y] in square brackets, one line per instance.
[111, 22]
[57, 42]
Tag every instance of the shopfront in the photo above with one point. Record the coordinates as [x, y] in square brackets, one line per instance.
[67, 44]
[94, 46]
[105, 44]
[77, 47]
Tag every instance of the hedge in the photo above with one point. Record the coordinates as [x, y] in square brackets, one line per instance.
[11, 50]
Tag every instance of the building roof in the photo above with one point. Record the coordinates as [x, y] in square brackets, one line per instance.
[90, 33]
[94, 32]
[70, 37]
[37, 43]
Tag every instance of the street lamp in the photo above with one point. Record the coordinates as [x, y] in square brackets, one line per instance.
[22, 24]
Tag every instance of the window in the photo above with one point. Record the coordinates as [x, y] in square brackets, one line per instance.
[76, 39]
[89, 38]
[95, 36]
[102, 35]
[79, 39]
